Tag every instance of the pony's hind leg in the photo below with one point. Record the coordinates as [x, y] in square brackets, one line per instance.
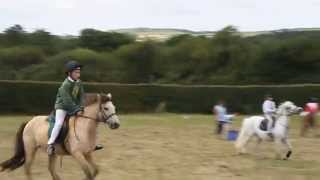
[28, 164]
[52, 167]
[30, 151]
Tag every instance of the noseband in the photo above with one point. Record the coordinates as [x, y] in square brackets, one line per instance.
[104, 118]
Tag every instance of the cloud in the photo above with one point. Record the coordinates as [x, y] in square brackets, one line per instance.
[65, 4]
[70, 16]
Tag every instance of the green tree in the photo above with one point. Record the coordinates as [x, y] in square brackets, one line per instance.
[101, 41]
[42, 39]
[138, 61]
[14, 35]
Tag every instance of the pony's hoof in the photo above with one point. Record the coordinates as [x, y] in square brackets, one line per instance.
[288, 154]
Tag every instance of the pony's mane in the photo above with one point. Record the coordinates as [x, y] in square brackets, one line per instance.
[280, 107]
[91, 98]
[284, 102]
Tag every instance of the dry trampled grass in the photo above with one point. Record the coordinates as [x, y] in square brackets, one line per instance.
[174, 147]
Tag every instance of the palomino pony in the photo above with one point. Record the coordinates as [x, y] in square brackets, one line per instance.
[251, 127]
[79, 143]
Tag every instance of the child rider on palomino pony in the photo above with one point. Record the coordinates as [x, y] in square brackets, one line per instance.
[69, 101]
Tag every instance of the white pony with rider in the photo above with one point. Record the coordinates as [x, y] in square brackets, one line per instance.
[257, 126]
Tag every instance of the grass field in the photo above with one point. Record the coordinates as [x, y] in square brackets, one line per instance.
[174, 147]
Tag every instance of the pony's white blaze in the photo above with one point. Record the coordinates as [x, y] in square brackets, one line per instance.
[250, 127]
[110, 112]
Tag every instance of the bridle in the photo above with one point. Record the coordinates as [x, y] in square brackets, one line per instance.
[101, 115]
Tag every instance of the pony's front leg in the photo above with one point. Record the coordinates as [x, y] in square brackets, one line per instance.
[278, 146]
[52, 167]
[242, 142]
[84, 165]
[289, 148]
[94, 166]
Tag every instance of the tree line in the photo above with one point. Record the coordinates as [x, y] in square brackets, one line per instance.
[226, 58]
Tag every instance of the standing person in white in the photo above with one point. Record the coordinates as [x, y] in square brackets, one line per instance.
[223, 119]
[269, 110]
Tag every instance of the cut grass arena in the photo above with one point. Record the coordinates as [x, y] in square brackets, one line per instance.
[174, 147]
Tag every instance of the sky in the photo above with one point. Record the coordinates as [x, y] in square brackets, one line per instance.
[70, 16]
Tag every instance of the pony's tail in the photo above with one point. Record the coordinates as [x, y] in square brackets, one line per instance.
[18, 159]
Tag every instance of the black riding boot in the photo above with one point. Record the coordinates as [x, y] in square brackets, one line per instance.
[98, 147]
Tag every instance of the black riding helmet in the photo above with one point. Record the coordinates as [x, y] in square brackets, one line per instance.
[268, 96]
[71, 66]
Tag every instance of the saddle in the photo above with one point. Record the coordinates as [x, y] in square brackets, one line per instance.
[63, 132]
[264, 125]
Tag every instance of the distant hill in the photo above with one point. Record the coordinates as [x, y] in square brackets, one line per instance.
[162, 34]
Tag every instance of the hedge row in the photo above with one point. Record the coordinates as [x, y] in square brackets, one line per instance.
[38, 97]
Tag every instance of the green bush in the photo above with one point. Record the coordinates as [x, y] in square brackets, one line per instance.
[97, 66]
[38, 97]
[19, 57]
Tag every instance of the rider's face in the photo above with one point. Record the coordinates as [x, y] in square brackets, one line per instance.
[75, 75]
[221, 102]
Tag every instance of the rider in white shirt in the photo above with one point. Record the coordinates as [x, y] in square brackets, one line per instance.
[269, 110]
